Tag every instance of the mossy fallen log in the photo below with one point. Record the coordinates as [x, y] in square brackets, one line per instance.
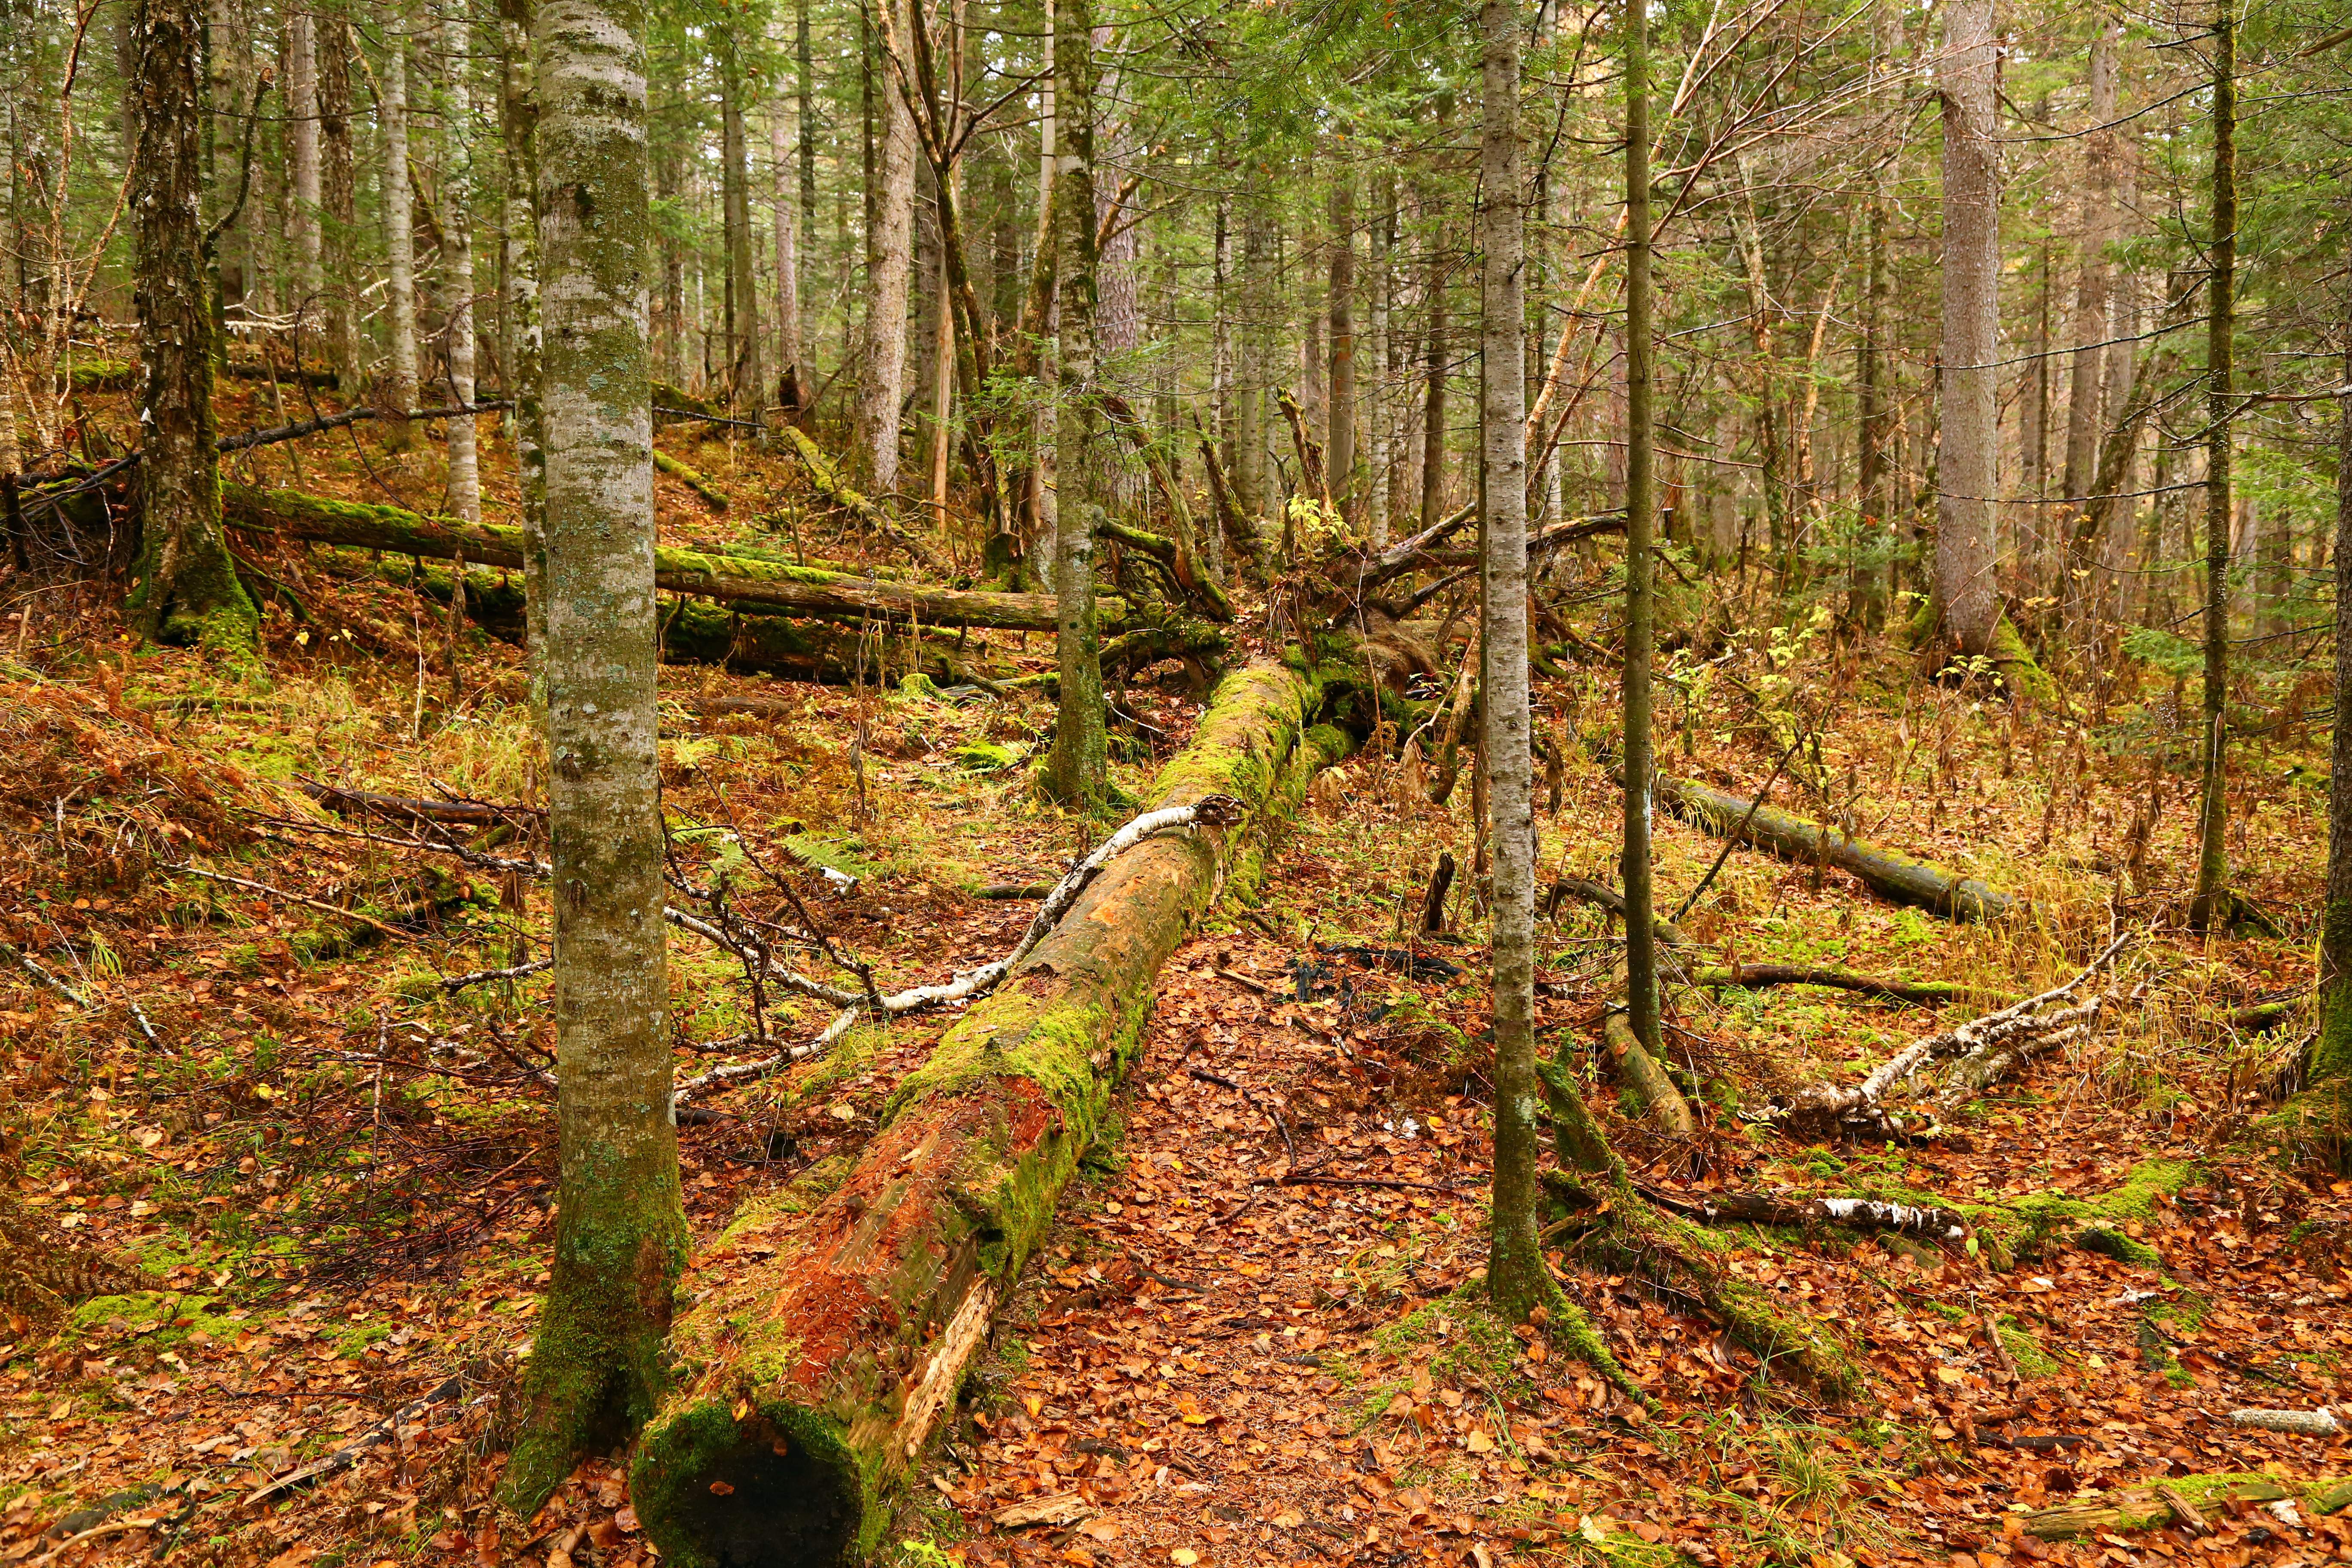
[2149, 1508]
[753, 588]
[1793, 837]
[1924, 993]
[692, 479]
[825, 1343]
[829, 484]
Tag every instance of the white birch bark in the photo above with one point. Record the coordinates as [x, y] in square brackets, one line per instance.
[399, 223]
[2083, 403]
[302, 148]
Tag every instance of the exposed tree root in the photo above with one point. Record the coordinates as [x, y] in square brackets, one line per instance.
[1647, 1081]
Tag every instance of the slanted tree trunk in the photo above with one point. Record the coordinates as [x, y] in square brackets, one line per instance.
[1073, 773]
[2083, 405]
[884, 354]
[458, 259]
[810, 1380]
[1968, 457]
[400, 233]
[621, 1239]
[186, 589]
[519, 132]
[1516, 1272]
[339, 198]
[2208, 905]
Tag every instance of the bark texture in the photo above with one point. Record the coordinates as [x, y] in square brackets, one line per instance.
[457, 260]
[827, 1340]
[1967, 385]
[620, 1240]
[1793, 838]
[2330, 1074]
[1516, 1272]
[884, 356]
[186, 589]
[519, 127]
[2210, 902]
[2084, 394]
[399, 228]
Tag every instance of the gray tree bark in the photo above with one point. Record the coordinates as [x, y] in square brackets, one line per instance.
[746, 372]
[1641, 505]
[302, 154]
[1967, 462]
[788, 267]
[1074, 771]
[399, 225]
[620, 1240]
[2084, 402]
[2209, 903]
[339, 198]
[518, 130]
[884, 356]
[1341, 446]
[458, 256]
[1516, 1272]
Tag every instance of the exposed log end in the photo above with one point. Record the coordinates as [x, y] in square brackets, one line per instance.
[775, 1486]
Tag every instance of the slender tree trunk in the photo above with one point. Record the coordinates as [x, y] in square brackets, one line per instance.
[1875, 527]
[2084, 409]
[400, 233]
[1641, 505]
[804, 112]
[620, 1238]
[186, 586]
[519, 133]
[1516, 1272]
[457, 260]
[1072, 773]
[747, 377]
[339, 197]
[1249, 463]
[885, 353]
[1341, 454]
[1967, 467]
[2330, 1070]
[790, 379]
[1379, 490]
[2209, 907]
[302, 155]
[1433, 413]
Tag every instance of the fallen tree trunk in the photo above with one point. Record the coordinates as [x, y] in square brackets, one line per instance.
[823, 1346]
[752, 587]
[1584, 889]
[395, 808]
[691, 477]
[1926, 993]
[829, 484]
[2149, 1507]
[1793, 838]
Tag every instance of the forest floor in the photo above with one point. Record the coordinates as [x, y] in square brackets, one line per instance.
[312, 1204]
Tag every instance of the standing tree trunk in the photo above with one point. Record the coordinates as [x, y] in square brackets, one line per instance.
[2214, 858]
[457, 260]
[1871, 584]
[2329, 1072]
[1641, 501]
[788, 381]
[746, 375]
[339, 198]
[1967, 465]
[884, 359]
[1340, 452]
[302, 154]
[1246, 463]
[186, 589]
[1377, 489]
[1433, 408]
[620, 1239]
[518, 130]
[1073, 774]
[1516, 1272]
[2084, 409]
[400, 230]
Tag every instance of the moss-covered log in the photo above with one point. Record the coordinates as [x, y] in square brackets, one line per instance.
[829, 484]
[824, 1344]
[751, 587]
[2150, 1507]
[693, 479]
[1924, 993]
[1793, 838]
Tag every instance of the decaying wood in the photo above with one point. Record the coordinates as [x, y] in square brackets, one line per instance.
[2037, 1023]
[692, 479]
[1793, 838]
[1432, 900]
[396, 808]
[748, 587]
[1584, 889]
[826, 1338]
[2319, 1423]
[2152, 1506]
[1929, 1223]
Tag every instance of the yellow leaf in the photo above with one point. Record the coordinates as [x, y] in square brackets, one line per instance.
[1183, 1557]
[1477, 1442]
